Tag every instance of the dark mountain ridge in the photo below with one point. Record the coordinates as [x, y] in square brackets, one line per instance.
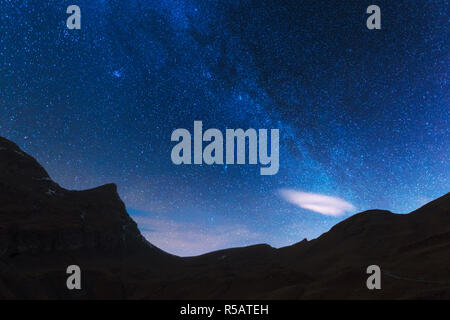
[37, 215]
[44, 228]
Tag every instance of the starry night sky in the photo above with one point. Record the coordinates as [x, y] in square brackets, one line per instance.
[363, 115]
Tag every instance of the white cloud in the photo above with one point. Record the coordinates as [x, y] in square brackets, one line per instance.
[326, 205]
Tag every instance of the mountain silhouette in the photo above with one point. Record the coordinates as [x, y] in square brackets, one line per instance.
[44, 228]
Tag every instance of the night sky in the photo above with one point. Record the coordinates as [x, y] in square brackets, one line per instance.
[363, 114]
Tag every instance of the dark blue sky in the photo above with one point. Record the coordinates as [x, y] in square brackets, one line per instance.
[363, 115]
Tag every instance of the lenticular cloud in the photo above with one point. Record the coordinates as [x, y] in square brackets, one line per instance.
[326, 205]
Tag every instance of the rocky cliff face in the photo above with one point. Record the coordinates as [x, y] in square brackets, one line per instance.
[37, 215]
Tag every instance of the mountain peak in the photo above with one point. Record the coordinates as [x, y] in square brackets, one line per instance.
[17, 165]
[38, 215]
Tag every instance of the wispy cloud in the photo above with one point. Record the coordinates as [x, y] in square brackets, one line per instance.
[189, 239]
[326, 205]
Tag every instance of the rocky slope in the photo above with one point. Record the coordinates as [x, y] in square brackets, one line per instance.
[44, 228]
[38, 216]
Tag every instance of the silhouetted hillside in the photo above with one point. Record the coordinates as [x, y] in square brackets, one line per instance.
[44, 228]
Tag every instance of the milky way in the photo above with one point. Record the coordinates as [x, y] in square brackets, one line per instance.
[363, 114]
